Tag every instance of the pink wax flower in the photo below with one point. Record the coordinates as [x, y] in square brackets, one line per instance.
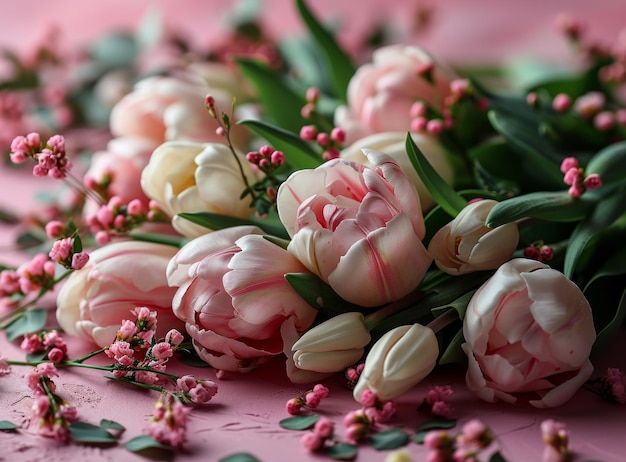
[120, 276]
[357, 228]
[382, 93]
[168, 424]
[528, 333]
[232, 302]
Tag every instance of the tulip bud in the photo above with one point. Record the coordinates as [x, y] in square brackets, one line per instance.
[399, 360]
[332, 345]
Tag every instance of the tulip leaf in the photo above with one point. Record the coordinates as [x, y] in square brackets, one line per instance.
[606, 212]
[338, 62]
[299, 422]
[609, 163]
[298, 153]
[318, 294]
[459, 305]
[453, 353]
[175, 241]
[607, 332]
[280, 100]
[145, 443]
[216, 221]
[30, 321]
[442, 193]
[341, 451]
[389, 439]
[7, 426]
[239, 457]
[497, 457]
[87, 433]
[548, 205]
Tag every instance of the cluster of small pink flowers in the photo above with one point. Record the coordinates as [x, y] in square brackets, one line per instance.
[53, 413]
[27, 279]
[331, 142]
[577, 180]
[197, 391]
[48, 341]
[168, 423]
[556, 437]
[51, 157]
[361, 423]
[435, 403]
[5, 368]
[474, 437]
[64, 253]
[310, 399]
[611, 386]
[353, 373]
[539, 251]
[116, 217]
[139, 356]
[266, 159]
[315, 440]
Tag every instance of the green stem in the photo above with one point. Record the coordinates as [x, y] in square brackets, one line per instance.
[443, 320]
[371, 320]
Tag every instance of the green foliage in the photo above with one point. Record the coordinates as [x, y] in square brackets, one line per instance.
[393, 438]
[83, 432]
[341, 451]
[215, 221]
[299, 422]
[240, 457]
[29, 321]
[7, 426]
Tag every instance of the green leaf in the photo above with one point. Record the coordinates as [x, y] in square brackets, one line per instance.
[318, 294]
[8, 217]
[175, 241]
[215, 221]
[239, 457]
[441, 192]
[609, 163]
[341, 451]
[7, 426]
[339, 64]
[389, 439]
[460, 305]
[437, 424]
[604, 214]
[298, 153]
[618, 320]
[547, 205]
[497, 457]
[539, 156]
[453, 353]
[30, 321]
[87, 433]
[111, 425]
[299, 422]
[280, 100]
[145, 443]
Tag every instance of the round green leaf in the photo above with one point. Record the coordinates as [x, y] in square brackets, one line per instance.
[390, 439]
[7, 426]
[341, 451]
[88, 433]
[144, 443]
[111, 425]
[240, 457]
[299, 422]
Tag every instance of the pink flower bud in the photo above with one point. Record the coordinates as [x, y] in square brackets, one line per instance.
[561, 102]
[308, 132]
[568, 163]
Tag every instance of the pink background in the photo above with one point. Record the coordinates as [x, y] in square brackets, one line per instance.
[245, 413]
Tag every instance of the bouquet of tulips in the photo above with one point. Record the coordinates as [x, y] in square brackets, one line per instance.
[400, 213]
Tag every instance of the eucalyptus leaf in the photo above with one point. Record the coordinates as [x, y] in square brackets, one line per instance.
[389, 439]
[341, 451]
[216, 221]
[437, 424]
[298, 153]
[339, 63]
[87, 433]
[112, 425]
[145, 443]
[7, 426]
[239, 457]
[299, 422]
[30, 321]
[548, 205]
[443, 194]
[280, 100]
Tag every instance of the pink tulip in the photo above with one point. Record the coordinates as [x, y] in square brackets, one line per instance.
[528, 331]
[120, 276]
[359, 229]
[233, 296]
[381, 93]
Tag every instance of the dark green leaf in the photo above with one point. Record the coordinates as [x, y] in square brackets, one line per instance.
[299, 422]
[111, 425]
[609, 163]
[144, 443]
[318, 294]
[453, 354]
[30, 321]
[437, 424]
[618, 320]
[443, 194]
[29, 239]
[497, 457]
[339, 64]
[7, 426]
[8, 217]
[547, 205]
[279, 99]
[604, 214]
[240, 457]
[390, 439]
[87, 433]
[215, 221]
[298, 153]
[175, 241]
[460, 305]
[341, 451]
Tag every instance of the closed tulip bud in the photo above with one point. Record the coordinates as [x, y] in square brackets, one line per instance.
[398, 361]
[332, 345]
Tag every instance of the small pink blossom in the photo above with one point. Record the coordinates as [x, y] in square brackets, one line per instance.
[32, 343]
[56, 355]
[174, 337]
[203, 391]
[4, 366]
[592, 181]
[569, 163]
[162, 351]
[311, 441]
[561, 102]
[168, 423]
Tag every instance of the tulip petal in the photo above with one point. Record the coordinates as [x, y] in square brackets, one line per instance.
[563, 392]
